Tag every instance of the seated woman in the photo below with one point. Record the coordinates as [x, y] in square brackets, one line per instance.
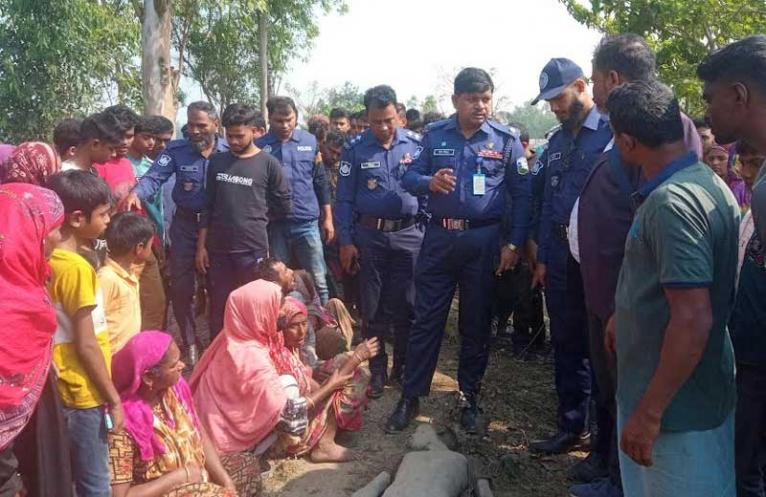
[163, 450]
[245, 398]
[342, 409]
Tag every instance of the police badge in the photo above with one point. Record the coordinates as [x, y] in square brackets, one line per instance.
[345, 168]
[267, 149]
[522, 166]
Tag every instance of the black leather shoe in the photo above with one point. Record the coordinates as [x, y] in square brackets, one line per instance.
[470, 418]
[560, 443]
[406, 410]
[589, 469]
[377, 384]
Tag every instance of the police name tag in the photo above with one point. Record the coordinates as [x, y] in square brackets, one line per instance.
[444, 152]
[304, 148]
[370, 165]
[479, 184]
[189, 169]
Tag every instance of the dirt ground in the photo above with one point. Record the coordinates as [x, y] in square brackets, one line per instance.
[519, 402]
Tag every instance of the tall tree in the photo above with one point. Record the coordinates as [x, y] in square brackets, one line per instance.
[223, 40]
[62, 58]
[682, 32]
[160, 80]
[536, 118]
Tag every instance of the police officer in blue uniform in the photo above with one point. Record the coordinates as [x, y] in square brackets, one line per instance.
[467, 168]
[187, 161]
[299, 234]
[379, 226]
[571, 154]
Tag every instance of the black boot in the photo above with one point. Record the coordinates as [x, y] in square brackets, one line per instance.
[406, 410]
[560, 443]
[377, 384]
[470, 414]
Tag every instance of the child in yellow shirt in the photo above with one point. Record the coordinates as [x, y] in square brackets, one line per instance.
[129, 242]
[81, 353]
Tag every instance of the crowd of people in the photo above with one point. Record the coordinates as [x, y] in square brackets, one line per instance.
[311, 249]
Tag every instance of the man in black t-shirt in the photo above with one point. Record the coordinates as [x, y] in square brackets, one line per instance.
[245, 190]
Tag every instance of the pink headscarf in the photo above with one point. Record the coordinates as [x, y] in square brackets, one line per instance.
[141, 353]
[236, 384]
[30, 162]
[28, 214]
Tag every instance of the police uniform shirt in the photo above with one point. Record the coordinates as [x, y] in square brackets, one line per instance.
[568, 161]
[369, 181]
[493, 151]
[303, 170]
[190, 170]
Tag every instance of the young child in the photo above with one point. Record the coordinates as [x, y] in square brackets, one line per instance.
[81, 352]
[66, 138]
[99, 135]
[129, 242]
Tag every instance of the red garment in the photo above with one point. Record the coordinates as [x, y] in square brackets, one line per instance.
[30, 162]
[27, 318]
[119, 175]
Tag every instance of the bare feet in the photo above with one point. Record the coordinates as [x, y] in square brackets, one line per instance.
[332, 452]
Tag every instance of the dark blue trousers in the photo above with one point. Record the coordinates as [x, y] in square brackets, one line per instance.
[183, 275]
[227, 272]
[387, 291]
[569, 336]
[449, 260]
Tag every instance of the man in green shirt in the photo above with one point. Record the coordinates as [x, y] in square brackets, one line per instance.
[675, 361]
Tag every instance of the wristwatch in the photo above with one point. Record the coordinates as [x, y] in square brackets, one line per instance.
[512, 247]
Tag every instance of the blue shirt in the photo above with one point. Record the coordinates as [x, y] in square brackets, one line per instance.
[303, 170]
[369, 180]
[189, 168]
[568, 161]
[494, 151]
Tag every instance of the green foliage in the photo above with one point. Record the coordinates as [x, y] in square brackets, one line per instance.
[62, 58]
[316, 100]
[536, 118]
[682, 32]
[222, 42]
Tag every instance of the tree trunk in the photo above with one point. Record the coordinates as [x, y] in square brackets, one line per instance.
[263, 55]
[159, 87]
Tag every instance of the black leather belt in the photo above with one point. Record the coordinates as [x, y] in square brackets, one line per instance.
[386, 225]
[451, 224]
[561, 231]
[188, 215]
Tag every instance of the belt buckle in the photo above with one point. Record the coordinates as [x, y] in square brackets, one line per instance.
[379, 224]
[198, 215]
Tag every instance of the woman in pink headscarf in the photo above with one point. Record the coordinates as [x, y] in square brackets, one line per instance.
[30, 162]
[163, 450]
[250, 389]
[29, 227]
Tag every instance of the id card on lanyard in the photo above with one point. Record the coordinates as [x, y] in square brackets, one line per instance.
[479, 180]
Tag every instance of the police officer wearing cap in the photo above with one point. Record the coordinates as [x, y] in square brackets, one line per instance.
[571, 154]
[468, 167]
[379, 227]
[187, 160]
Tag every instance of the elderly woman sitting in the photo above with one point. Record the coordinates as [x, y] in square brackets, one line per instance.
[163, 450]
[254, 393]
[341, 409]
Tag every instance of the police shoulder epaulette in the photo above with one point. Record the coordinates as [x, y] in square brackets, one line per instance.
[437, 124]
[500, 127]
[413, 135]
[552, 131]
[177, 144]
[352, 142]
